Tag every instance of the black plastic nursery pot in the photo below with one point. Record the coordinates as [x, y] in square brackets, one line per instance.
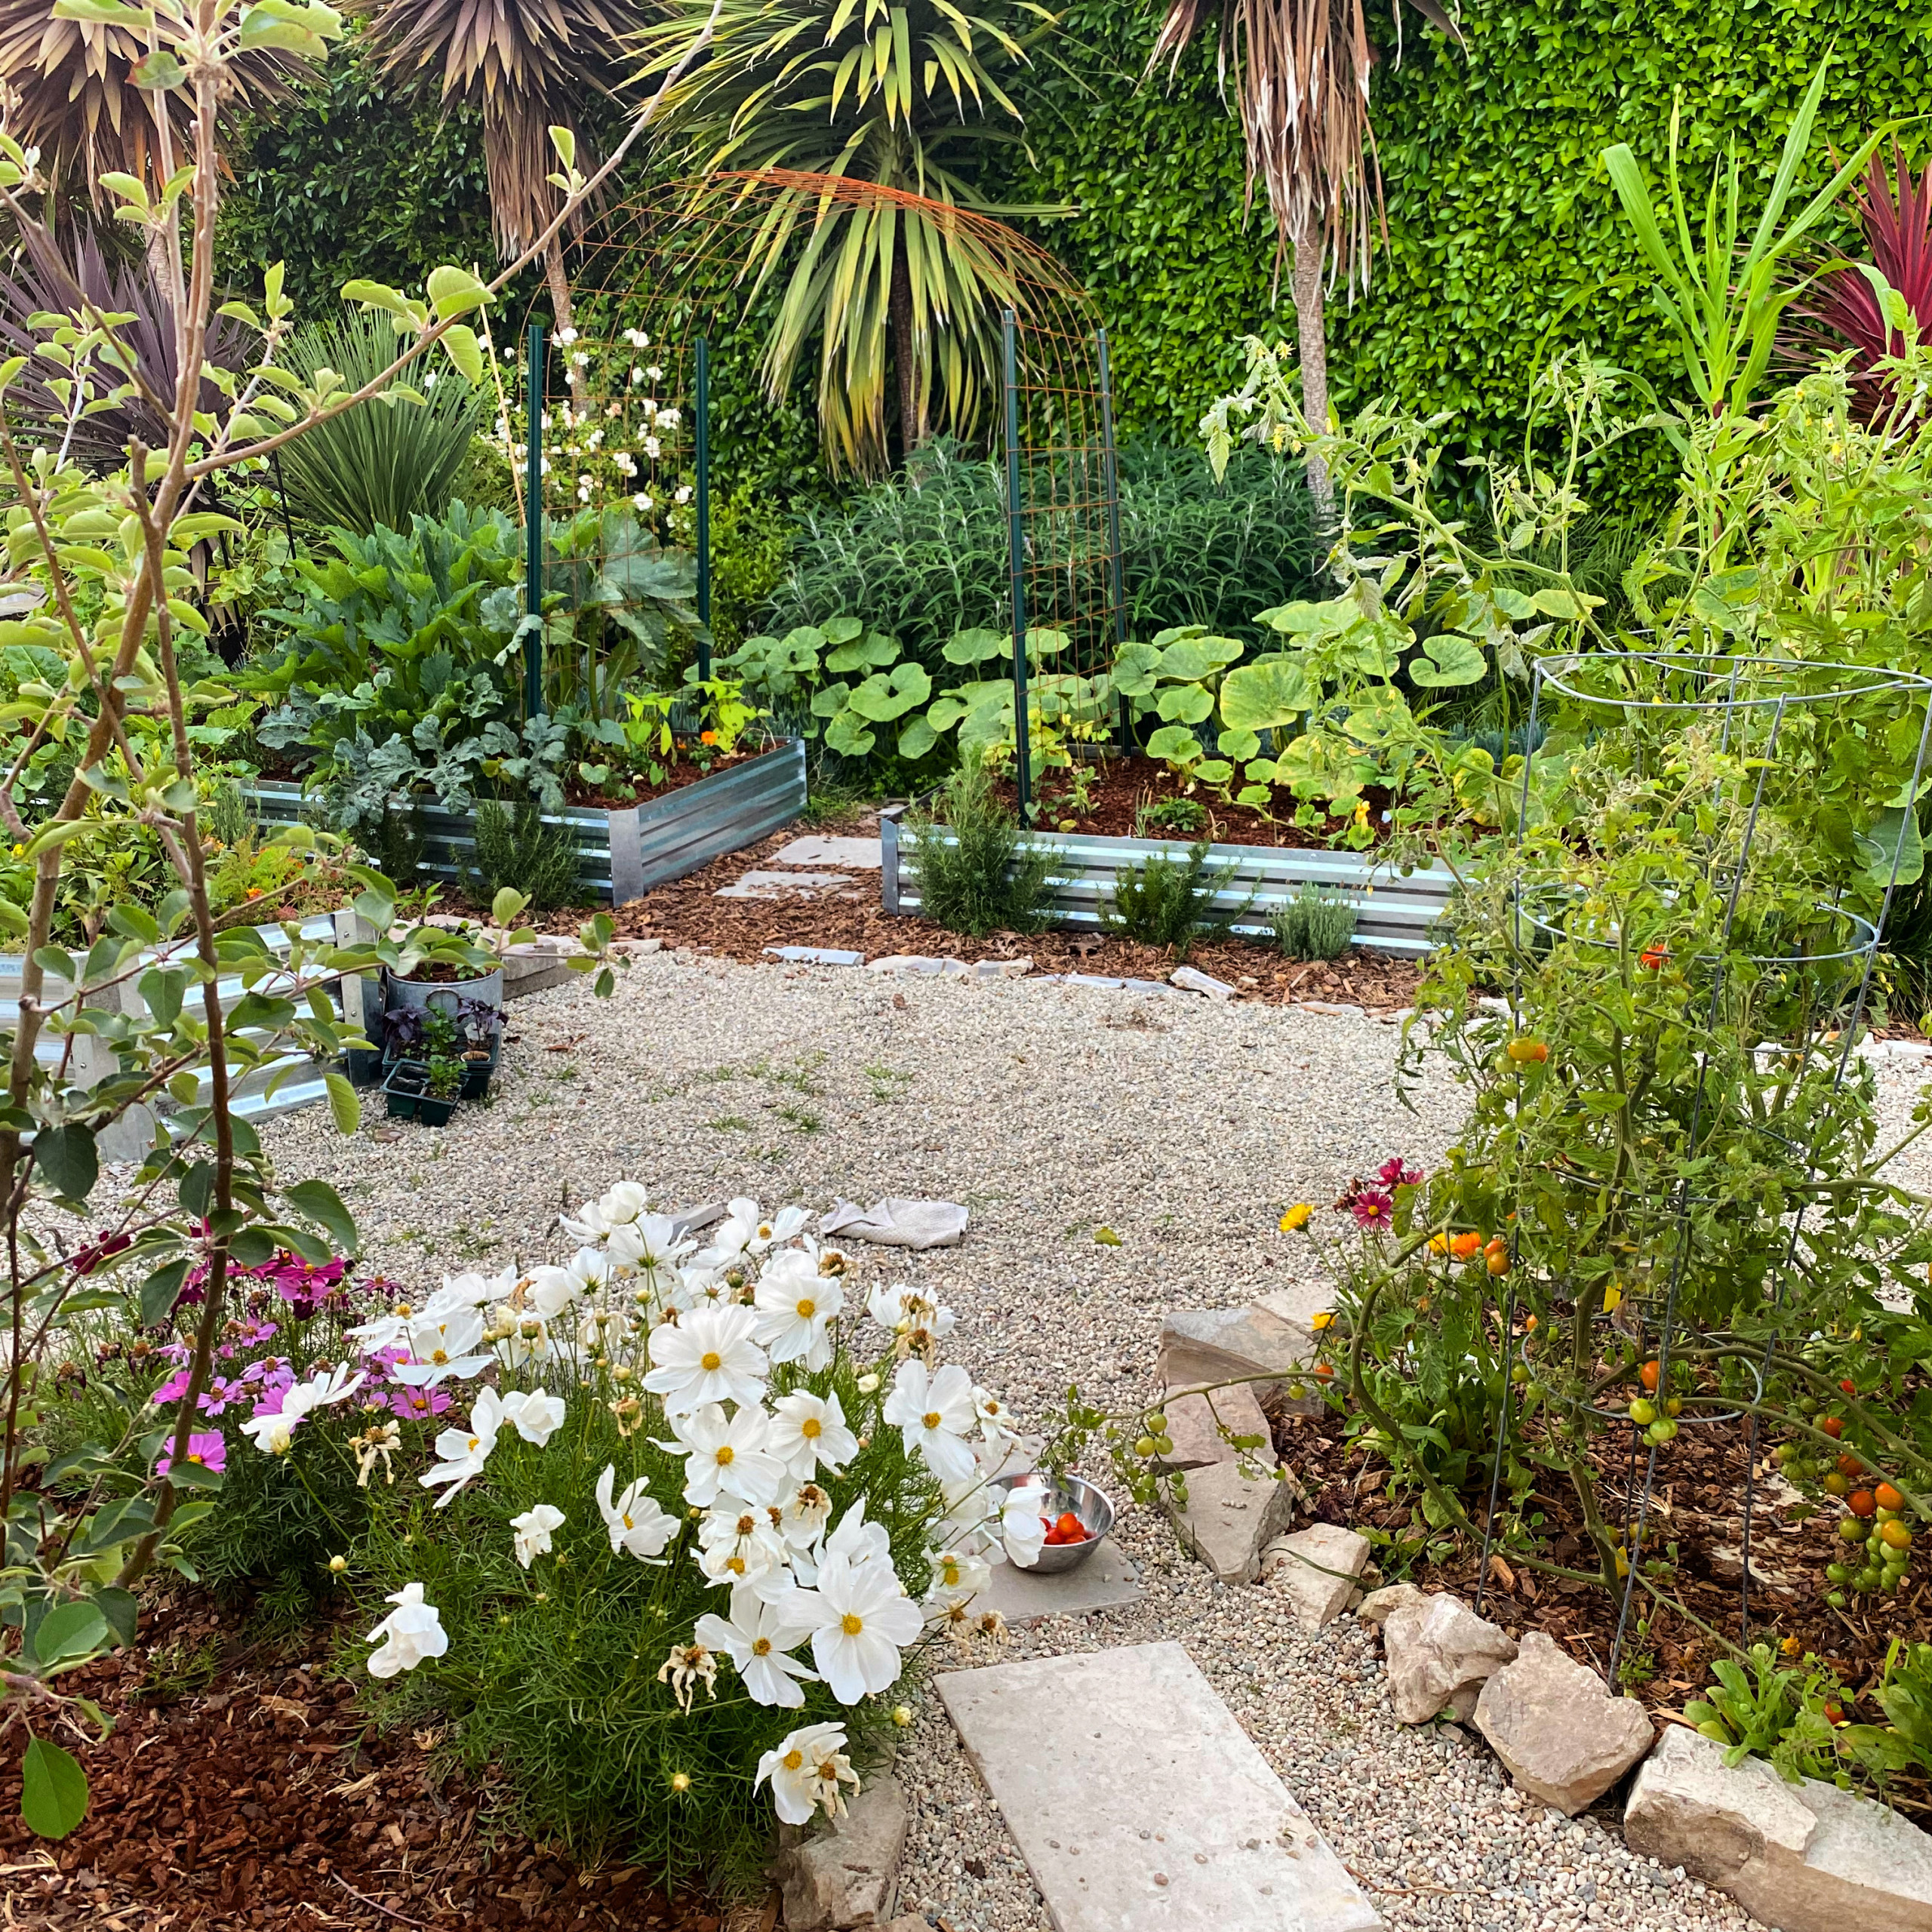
[407, 1093]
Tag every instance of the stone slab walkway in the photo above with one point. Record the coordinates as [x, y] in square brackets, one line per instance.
[1138, 1802]
[1107, 1580]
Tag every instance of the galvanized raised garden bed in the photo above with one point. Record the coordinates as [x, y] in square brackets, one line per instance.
[1393, 914]
[620, 853]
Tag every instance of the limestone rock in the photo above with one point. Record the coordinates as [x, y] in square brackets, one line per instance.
[1805, 1857]
[1199, 1345]
[1317, 1567]
[1196, 981]
[848, 1875]
[1561, 1735]
[1379, 1605]
[1440, 1652]
[1196, 1427]
[1230, 1520]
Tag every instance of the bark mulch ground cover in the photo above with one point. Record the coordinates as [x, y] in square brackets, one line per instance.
[242, 1790]
[687, 913]
[1696, 1525]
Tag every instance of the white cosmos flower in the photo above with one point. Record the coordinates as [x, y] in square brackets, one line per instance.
[411, 1631]
[996, 1421]
[858, 1541]
[744, 1548]
[1021, 1532]
[934, 1413]
[273, 1433]
[441, 1341]
[634, 1520]
[553, 1290]
[650, 1245]
[916, 1324]
[860, 1620]
[809, 1432]
[464, 1451]
[806, 1769]
[796, 1304]
[755, 1639]
[728, 1458]
[957, 1578]
[533, 1415]
[533, 1530]
[706, 1356]
[746, 1229]
[618, 1207]
[804, 1514]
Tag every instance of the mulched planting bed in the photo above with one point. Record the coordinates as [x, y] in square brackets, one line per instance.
[1119, 787]
[1697, 1505]
[686, 772]
[686, 913]
[242, 1788]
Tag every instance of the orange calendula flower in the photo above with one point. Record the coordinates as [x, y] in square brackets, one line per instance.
[1463, 1245]
[707, 738]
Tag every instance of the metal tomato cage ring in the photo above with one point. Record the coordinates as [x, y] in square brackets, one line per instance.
[1750, 700]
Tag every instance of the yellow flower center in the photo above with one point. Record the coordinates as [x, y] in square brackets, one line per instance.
[628, 1524]
[712, 1362]
[807, 1308]
[736, 1564]
[931, 1418]
[438, 1357]
[851, 1624]
[811, 1429]
[193, 1456]
[760, 1647]
[793, 1759]
[725, 1455]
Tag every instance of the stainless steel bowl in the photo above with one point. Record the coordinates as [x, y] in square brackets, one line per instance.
[1092, 1505]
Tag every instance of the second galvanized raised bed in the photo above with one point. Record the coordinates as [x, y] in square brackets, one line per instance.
[1393, 913]
[624, 852]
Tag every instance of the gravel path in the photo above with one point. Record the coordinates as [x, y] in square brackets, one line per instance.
[1185, 1127]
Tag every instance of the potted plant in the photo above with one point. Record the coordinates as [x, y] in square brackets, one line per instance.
[465, 1032]
[442, 1091]
[404, 1087]
[458, 962]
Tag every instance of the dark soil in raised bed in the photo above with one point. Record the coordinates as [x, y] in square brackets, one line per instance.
[687, 913]
[1697, 1505]
[247, 1790]
[1119, 787]
[688, 771]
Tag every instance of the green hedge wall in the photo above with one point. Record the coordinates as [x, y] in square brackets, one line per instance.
[1500, 212]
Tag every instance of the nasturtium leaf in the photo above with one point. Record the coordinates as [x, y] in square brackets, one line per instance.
[1198, 656]
[1184, 704]
[842, 630]
[846, 734]
[829, 701]
[945, 713]
[886, 695]
[1448, 660]
[53, 1790]
[1174, 744]
[68, 1159]
[1272, 692]
[1214, 771]
[975, 646]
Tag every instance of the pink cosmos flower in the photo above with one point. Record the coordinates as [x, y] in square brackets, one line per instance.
[210, 1450]
[1372, 1208]
[1396, 1173]
[417, 1405]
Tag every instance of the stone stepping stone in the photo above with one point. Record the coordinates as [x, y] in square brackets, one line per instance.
[1107, 1580]
[861, 855]
[1138, 1802]
[774, 885]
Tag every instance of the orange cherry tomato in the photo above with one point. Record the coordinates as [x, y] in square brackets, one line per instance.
[1850, 1465]
[1496, 1256]
[1649, 1372]
[1888, 1497]
[1850, 1387]
[1833, 1426]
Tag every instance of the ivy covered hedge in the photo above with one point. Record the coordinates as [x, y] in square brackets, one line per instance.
[1502, 228]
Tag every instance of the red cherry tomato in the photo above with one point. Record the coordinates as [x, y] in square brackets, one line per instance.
[1833, 1426]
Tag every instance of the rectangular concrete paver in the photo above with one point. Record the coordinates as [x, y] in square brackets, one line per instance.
[1106, 1581]
[1140, 1805]
[773, 885]
[861, 855]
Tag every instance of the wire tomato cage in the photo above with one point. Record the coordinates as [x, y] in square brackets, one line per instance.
[1759, 714]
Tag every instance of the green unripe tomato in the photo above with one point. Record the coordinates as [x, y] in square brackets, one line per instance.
[1165, 1443]
[1662, 1431]
[1807, 1405]
[1882, 1516]
[1535, 1391]
[1519, 1375]
[1298, 1391]
[1156, 1423]
[1643, 1413]
[1852, 1529]
[1869, 1580]
[1785, 1455]
[1836, 1598]
[1145, 1446]
[1837, 1573]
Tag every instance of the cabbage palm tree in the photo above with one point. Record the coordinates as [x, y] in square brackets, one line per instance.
[898, 104]
[526, 65]
[70, 93]
[1301, 72]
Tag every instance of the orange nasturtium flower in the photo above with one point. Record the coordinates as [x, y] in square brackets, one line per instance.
[707, 738]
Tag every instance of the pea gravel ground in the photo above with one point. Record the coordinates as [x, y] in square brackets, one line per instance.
[1185, 1128]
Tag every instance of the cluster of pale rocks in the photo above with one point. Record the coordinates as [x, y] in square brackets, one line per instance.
[1803, 1857]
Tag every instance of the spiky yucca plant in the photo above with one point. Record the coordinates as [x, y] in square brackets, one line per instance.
[901, 102]
[527, 65]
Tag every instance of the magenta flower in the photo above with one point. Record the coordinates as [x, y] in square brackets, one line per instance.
[210, 1450]
[1372, 1208]
[417, 1405]
[1397, 1173]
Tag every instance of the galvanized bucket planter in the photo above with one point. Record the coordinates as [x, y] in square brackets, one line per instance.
[1393, 914]
[621, 853]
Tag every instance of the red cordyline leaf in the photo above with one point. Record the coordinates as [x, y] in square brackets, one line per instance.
[1895, 212]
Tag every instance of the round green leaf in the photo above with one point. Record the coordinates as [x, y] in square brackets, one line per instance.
[886, 695]
[53, 1790]
[1136, 667]
[72, 1629]
[1185, 704]
[1448, 660]
[847, 735]
[1239, 746]
[1260, 696]
[975, 646]
[1174, 744]
[917, 739]
[865, 653]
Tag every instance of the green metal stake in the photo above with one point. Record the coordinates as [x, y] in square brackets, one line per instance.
[704, 505]
[533, 506]
[1015, 543]
[1110, 477]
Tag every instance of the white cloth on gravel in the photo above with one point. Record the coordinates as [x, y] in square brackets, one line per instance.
[895, 1224]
